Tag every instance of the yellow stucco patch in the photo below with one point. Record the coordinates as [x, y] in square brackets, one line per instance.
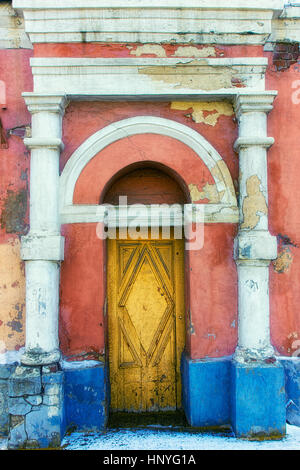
[253, 203]
[12, 297]
[154, 49]
[209, 191]
[194, 75]
[283, 261]
[192, 51]
[220, 172]
[214, 109]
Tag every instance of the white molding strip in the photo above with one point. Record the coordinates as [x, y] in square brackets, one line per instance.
[180, 21]
[159, 4]
[139, 77]
[148, 216]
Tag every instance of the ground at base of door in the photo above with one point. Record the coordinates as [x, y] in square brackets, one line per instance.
[170, 438]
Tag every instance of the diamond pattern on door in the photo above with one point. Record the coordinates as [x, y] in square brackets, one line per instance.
[146, 331]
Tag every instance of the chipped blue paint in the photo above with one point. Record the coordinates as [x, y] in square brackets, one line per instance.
[246, 251]
[86, 398]
[292, 387]
[258, 400]
[205, 391]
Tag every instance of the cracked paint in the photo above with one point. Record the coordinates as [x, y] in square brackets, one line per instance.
[220, 172]
[285, 254]
[14, 212]
[192, 51]
[146, 49]
[253, 204]
[283, 261]
[205, 112]
[195, 75]
[209, 191]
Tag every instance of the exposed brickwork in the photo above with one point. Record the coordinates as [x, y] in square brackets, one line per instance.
[285, 54]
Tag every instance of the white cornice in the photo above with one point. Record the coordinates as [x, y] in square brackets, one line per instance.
[169, 4]
[156, 21]
[12, 34]
[147, 76]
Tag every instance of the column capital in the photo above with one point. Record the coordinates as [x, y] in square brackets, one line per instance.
[254, 102]
[39, 143]
[51, 103]
[256, 141]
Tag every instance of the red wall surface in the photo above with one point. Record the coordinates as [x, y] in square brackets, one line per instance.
[211, 303]
[15, 75]
[284, 208]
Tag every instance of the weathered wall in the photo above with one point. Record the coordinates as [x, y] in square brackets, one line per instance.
[212, 320]
[14, 195]
[212, 313]
[284, 197]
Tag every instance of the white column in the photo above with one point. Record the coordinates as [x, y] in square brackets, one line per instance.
[42, 249]
[254, 245]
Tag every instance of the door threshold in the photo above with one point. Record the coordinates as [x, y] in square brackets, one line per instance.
[158, 419]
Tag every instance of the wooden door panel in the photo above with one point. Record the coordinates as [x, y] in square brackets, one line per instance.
[146, 323]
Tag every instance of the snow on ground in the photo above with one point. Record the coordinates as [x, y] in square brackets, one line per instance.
[2, 443]
[170, 439]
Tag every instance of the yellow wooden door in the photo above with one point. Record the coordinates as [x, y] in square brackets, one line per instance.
[146, 324]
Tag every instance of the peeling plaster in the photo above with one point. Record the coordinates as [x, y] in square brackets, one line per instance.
[253, 204]
[192, 51]
[14, 212]
[220, 172]
[283, 261]
[285, 253]
[12, 298]
[206, 112]
[153, 49]
[209, 191]
[195, 75]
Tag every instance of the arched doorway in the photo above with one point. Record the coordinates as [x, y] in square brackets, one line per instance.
[145, 291]
[147, 149]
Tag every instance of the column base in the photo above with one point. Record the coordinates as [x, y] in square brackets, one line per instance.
[43, 402]
[258, 400]
[206, 391]
[38, 358]
[250, 355]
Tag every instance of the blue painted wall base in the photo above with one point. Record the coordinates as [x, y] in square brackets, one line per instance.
[258, 400]
[86, 398]
[38, 405]
[206, 391]
[292, 389]
[36, 408]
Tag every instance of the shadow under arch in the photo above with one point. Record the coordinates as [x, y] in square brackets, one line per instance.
[169, 185]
